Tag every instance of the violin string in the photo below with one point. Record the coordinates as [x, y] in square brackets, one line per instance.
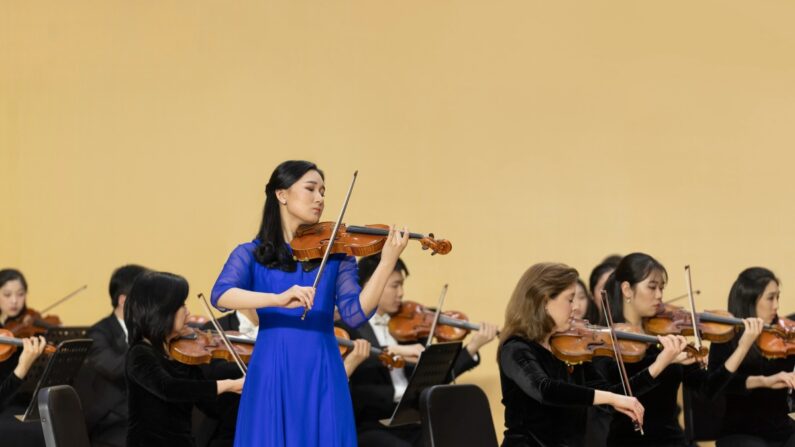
[221, 333]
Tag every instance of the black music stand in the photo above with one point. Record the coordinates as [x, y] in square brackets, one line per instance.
[59, 369]
[56, 335]
[433, 368]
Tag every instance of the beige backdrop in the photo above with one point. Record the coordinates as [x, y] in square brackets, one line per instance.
[523, 131]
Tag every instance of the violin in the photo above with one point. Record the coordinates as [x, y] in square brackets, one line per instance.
[779, 342]
[346, 345]
[195, 347]
[718, 326]
[413, 322]
[9, 345]
[311, 241]
[583, 341]
[30, 323]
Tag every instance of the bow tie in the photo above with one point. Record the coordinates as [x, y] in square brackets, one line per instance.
[380, 320]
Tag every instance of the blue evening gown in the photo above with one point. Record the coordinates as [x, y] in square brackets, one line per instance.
[296, 391]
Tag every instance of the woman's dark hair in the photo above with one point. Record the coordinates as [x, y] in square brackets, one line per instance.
[151, 305]
[633, 268]
[272, 250]
[747, 289]
[592, 313]
[7, 275]
[608, 265]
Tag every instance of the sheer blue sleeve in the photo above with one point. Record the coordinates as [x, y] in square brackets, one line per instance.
[348, 290]
[235, 274]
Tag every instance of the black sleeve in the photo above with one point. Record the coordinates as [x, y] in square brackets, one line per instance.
[103, 358]
[602, 374]
[718, 354]
[521, 365]
[145, 369]
[8, 387]
[464, 362]
[706, 382]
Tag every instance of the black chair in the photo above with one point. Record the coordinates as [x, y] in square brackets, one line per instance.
[62, 417]
[456, 415]
[703, 417]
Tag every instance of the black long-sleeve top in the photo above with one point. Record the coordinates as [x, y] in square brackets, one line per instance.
[761, 412]
[661, 426]
[161, 395]
[8, 387]
[545, 403]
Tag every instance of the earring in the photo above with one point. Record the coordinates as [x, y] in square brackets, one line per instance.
[628, 300]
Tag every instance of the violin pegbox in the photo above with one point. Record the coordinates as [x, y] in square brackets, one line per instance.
[441, 246]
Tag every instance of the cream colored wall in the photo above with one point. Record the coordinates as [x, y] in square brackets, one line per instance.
[522, 131]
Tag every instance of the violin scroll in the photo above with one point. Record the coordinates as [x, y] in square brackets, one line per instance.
[441, 246]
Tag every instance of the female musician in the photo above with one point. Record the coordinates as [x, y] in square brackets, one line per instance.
[544, 404]
[756, 398]
[635, 291]
[297, 392]
[13, 291]
[162, 392]
[31, 350]
[584, 306]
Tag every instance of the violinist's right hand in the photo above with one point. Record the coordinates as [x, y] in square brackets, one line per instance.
[296, 296]
[31, 350]
[630, 406]
[410, 353]
[231, 385]
[624, 404]
[673, 351]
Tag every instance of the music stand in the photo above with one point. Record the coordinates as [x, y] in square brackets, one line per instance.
[433, 368]
[60, 369]
[56, 335]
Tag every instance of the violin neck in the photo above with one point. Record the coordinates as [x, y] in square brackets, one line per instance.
[11, 341]
[631, 336]
[378, 232]
[461, 324]
[721, 319]
[349, 344]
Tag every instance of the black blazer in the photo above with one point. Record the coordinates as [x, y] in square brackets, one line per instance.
[101, 382]
[371, 384]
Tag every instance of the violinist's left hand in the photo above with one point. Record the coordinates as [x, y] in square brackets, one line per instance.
[486, 334]
[360, 352]
[31, 350]
[395, 244]
[753, 327]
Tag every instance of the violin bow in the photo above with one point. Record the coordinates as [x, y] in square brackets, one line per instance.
[332, 239]
[680, 297]
[696, 334]
[222, 334]
[622, 370]
[67, 297]
[436, 316]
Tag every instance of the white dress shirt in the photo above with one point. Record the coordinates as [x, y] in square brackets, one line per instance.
[380, 325]
[247, 328]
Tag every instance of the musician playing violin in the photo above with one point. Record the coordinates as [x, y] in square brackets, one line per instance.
[297, 392]
[13, 294]
[545, 405]
[375, 389]
[162, 392]
[635, 291]
[757, 396]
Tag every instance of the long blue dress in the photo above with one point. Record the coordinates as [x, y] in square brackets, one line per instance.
[296, 391]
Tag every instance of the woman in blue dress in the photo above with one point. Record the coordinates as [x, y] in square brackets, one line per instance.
[296, 391]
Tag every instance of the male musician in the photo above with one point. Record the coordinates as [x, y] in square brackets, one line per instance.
[106, 413]
[374, 388]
